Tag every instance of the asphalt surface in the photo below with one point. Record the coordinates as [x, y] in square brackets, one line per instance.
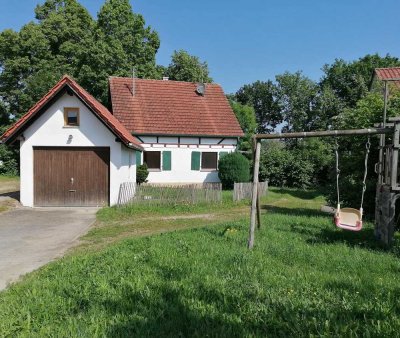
[30, 238]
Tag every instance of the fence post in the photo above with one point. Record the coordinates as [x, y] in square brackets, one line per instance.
[254, 195]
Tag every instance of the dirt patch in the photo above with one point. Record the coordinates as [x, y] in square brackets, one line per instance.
[7, 187]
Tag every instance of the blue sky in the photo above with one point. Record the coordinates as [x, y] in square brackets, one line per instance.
[245, 41]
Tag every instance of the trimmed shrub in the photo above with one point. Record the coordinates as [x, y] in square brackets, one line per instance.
[142, 172]
[233, 167]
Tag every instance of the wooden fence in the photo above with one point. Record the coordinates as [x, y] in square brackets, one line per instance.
[244, 190]
[153, 194]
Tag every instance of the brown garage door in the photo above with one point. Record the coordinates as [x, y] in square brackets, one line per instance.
[71, 176]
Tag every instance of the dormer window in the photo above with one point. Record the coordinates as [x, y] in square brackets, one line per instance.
[71, 117]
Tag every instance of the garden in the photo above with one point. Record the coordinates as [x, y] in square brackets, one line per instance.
[186, 271]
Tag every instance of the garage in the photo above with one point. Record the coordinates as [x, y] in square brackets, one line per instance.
[71, 176]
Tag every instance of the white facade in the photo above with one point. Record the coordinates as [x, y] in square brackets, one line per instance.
[49, 131]
[181, 152]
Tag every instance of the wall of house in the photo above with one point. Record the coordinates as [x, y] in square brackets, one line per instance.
[49, 130]
[181, 154]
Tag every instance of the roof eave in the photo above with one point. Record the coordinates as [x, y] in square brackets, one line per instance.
[187, 135]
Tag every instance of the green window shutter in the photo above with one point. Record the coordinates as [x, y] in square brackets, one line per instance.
[222, 154]
[138, 157]
[166, 158]
[195, 160]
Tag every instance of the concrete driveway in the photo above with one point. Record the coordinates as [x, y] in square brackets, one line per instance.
[30, 238]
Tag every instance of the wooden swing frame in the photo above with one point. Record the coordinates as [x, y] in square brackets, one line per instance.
[255, 203]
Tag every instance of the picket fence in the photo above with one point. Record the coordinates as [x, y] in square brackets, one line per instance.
[155, 194]
[244, 190]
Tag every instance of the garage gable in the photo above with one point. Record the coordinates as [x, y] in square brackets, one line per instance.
[68, 87]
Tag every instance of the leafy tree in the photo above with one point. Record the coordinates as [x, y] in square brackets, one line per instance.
[283, 167]
[66, 39]
[8, 161]
[247, 120]
[352, 150]
[233, 167]
[186, 67]
[297, 96]
[262, 96]
[350, 80]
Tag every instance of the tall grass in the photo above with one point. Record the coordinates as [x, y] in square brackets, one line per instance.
[304, 278]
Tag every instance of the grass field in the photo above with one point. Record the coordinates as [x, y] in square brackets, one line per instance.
[304, 277]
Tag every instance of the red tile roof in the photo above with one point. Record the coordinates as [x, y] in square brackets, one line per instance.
[102, 112]
[172, 108]
[388, 73]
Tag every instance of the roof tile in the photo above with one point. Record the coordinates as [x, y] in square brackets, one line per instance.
[172, 108]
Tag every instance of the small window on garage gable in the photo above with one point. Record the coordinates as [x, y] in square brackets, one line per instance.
[71, 117]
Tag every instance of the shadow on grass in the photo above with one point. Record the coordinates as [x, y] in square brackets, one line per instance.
[204, 310]
[330, 235]
[297, 193]
[294, 211]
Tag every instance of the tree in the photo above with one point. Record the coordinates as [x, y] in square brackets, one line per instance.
[350, 80]
[297, 96]
[262, 96]
[283, 167]
[66, 39]
[352, 150]
[247, 120]
[186, 67]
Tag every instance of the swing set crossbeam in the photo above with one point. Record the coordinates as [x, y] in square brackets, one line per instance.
[325, 133]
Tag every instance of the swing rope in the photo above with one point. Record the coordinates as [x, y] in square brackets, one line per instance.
[337, 173]
[364, 182]
[364, 188]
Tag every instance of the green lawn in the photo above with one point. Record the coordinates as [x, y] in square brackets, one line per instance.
[303, 278]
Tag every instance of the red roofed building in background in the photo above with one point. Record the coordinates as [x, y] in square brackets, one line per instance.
[76, 152]
[390, 75]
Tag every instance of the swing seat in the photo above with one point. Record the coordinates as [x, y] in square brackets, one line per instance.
[348, 219]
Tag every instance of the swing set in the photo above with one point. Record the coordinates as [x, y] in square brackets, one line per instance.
[386, 168]
[350, 218]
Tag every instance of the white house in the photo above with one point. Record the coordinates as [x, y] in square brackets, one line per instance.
[75, 152]
[183, 127]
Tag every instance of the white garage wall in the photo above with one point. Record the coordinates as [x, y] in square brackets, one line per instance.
[49, 131]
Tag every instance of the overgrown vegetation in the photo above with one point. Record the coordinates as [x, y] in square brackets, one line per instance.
[303, 278]
[8, 161]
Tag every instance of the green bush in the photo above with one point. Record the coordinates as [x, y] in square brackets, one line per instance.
[285, 167]
[233, 167]
[142, 172]
[8, 161]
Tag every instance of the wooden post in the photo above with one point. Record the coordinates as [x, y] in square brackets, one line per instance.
[382, 141]
[254, 195]
[258, 208]
[395, 156]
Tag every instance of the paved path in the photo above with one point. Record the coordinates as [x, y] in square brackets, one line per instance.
[30, 238]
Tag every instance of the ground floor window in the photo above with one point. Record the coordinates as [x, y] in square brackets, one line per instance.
[152, 159]
[209, 160]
